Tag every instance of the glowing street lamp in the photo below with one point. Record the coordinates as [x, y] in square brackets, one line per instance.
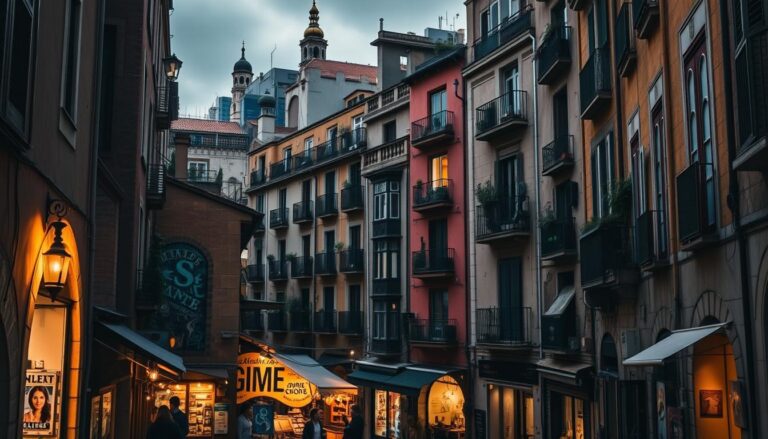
[56, 262]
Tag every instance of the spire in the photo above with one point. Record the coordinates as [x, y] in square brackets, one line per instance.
[313, 30]
[242, 51]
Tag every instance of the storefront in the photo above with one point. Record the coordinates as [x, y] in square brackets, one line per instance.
[566, 397]
[509, 399]
[286, 387]
[411, 401]
[196, 399]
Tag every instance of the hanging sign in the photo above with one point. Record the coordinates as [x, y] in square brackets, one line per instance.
[263, 419]
[184, 269]
[40, 403]
[259, 376]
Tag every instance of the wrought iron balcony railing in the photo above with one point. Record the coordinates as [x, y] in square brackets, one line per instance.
[352, 198]
[255, 273]
[352, 260]
[351, 322]
[302, 212]
[441, 331]
[554, 54]
[436, 193]
[300, 320]
[506, 325]
[301, 267]
[278, 270]
[325, 263]
[595, 83]
[327, 205]
[558, 238]
[557, 155]
[325, 321]
[509, 109]
[258, 177]
[278, 218]
[435, 126]
[280, 169]
[502, 218]
[508, 30]
[433, 262]
[302, 160]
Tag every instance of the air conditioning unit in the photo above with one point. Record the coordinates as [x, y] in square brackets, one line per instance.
[630, 342]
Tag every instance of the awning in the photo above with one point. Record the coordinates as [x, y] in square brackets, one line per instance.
[136, 341]
[406, 380]
[315, 373]
[563, 299]
[218, 373]
[565, 369]
[672, 344]
[329, 360]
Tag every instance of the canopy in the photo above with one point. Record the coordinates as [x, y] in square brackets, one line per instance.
[561, 302]
[672, 344]
[134, 340]
[565, 369]
[407, 380]
[315, 373]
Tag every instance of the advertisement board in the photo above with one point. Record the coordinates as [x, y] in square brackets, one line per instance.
[261, 376]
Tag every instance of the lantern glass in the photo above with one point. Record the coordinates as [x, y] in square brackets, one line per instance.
[172, 67]
[56, 269]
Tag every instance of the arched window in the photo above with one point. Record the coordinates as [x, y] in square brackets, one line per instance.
[247, 81]
[609, 358]
[305, 53]
[693, 134]
[316, 53]
[242, 80]
[293, 112]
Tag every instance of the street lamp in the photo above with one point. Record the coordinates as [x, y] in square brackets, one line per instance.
[172, 66]
[56, 262]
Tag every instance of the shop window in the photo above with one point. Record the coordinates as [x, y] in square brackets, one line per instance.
[196, 400]
[445, 407]
[387, 415]
[569, 417]
[511, 413]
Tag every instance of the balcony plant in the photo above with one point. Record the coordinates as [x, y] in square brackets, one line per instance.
[346, 184]
[547, 216]
[619, 205]
[271, 258]
[488, 196]
[291, 257]
[339, 246]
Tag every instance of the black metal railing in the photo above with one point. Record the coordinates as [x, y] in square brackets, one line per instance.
[508, 215]
[386, 228]
[352, 198]
[278, 270]
[302, 212]
[433, 192]
[595, 77]
[325, 263]
[651, 237]
[156, 184]
[251, 321]
[351, 322]
[327, 205]
[302, 160]
[300, 320]
[354, 139]
[255, 273]
[278, 218]
[386, 287]
[258, 177]
[696, 201]
[433, 261]
[279, 169]
[625, 35]
[352, 260]
[555, 51]
[506, 325]
[433, 330]
[640, 8]
[505, 32]
[301, 267]
[604, 250]
[438, 123]
[509, 107]
[557, 153]
[558, 237]
[325, 321]
[195, 175]
[327, 150]
[277, 321]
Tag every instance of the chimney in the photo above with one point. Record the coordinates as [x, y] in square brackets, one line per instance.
[266, 126]
[181, 146]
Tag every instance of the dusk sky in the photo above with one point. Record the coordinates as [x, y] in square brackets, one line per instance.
[207, 35]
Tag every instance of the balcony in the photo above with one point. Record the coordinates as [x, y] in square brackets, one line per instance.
[325, 322]
[557, 156]
[301, 267]
[387, 101]
[434, 263]
[278, 270]
[325, 263]
[505, 117]
[278, 218]
[156, 186]
[351, 322]
[386, 347]
[302, 212]
[327, 150]
[558, 239]
[433, 130]
[386, 287]
[251, 321]
[280, 169]
[167, 105]
[327, 205]
[352, 198]
[434, 195]
[651, 240]
[509, 30]
[277, 321]
[554, 55]
[386, 155]
[501, 220]
[254, 273]
[353, 140]
[388, 228]
[300, 321]
[595, 84]
[432, 332]
[646, 14]
[508, 327]
[352, 261]
[302, 160]
[577, 5]
[626, 54]
[696, 213]
[258, 178]
[607, 261]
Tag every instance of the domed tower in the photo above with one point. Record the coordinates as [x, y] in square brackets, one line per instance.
[313, 44]
[242, 73]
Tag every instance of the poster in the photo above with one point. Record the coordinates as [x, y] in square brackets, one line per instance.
[184, 270]
[263, 419]
[260, 376]
[106, 414]
[40, 393]
[95, 417]
[220, 418]
[661, 410]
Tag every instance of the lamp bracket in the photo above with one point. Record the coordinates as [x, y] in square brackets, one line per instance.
[57, 208]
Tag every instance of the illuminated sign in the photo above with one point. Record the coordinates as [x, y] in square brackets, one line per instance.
[259, 376]
[184, 270]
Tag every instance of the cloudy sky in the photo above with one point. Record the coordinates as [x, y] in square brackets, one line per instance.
[207, 35]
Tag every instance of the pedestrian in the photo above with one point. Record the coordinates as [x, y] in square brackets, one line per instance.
[179, 417]
[313, 429]
[245, 421]
[354, 428]
[164, 427]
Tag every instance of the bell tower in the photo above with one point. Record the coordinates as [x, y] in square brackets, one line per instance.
[313, 45]
[242, 74]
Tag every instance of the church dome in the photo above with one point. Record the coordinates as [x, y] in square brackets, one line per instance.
[242, 65]
[313, 30]
[267, 101]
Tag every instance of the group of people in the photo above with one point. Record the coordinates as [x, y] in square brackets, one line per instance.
[170, 423]
[313, 429]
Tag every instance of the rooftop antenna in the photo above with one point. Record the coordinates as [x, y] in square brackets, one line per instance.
[440, 22]
[271, 56]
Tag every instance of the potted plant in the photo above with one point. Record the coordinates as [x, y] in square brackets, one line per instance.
[547, 216]
[339, 246]
[487, 196]
[291, 257]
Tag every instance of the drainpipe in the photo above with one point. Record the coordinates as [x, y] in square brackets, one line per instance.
[733, 205]
[313, 250]
[537, 190]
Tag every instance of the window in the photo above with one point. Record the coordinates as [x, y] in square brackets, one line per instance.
[659, 196]
[308, 144]
[287, 159]
[638, 166]
[357, 122]
[438, 170]
[438, 305]
[602, 175]
[19, 81]
[331, 133]
[438, 102]
[597, 25]
[386, 200]
[403, 63]
[72, 56]
[389, 131]
[386, 325]
[510, 87]
[493, 16]
[386, 260]
[197, 170]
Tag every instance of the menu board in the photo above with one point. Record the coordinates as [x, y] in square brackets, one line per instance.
[200, 413]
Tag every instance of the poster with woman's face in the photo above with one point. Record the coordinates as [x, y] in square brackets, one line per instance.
[40, 403]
